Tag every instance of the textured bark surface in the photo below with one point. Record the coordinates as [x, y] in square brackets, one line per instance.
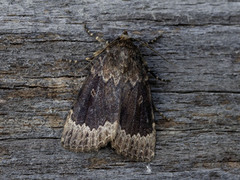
[42, 50]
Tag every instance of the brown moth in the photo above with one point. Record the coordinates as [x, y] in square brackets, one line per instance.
[114, 105]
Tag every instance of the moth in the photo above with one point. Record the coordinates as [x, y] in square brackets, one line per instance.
[114, 105]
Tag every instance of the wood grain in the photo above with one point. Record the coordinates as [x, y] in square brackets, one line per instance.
[42, 50]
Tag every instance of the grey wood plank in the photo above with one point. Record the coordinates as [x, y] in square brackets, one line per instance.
[42, 50]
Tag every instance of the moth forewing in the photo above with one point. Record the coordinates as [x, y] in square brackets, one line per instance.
[114, 105]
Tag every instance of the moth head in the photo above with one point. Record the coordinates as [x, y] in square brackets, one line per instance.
[124, 35]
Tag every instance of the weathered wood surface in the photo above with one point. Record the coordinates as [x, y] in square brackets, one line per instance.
[39, 82]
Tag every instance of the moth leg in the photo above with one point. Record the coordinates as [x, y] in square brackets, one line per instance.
[84, 67]
[164, 117]
[149, 47]
[154, 40]
[146, 44]
[99, 39]
[90, 63]
[158, 78]
[161, 114]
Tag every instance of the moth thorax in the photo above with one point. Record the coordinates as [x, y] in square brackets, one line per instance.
[124, 35]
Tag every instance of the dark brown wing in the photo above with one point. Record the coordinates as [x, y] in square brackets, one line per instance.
[136, 135]
[93, 121]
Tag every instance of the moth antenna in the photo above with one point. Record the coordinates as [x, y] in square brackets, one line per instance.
[95, 54]
[99, 39]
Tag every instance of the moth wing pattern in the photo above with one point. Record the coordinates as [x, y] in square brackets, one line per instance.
[136, 134]
[93, 121]
[114, 105]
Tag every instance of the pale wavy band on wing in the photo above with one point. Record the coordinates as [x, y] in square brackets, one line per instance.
[137, 147]
[81, 138]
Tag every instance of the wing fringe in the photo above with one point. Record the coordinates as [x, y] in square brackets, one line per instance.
[136, 147]
[80, 138]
